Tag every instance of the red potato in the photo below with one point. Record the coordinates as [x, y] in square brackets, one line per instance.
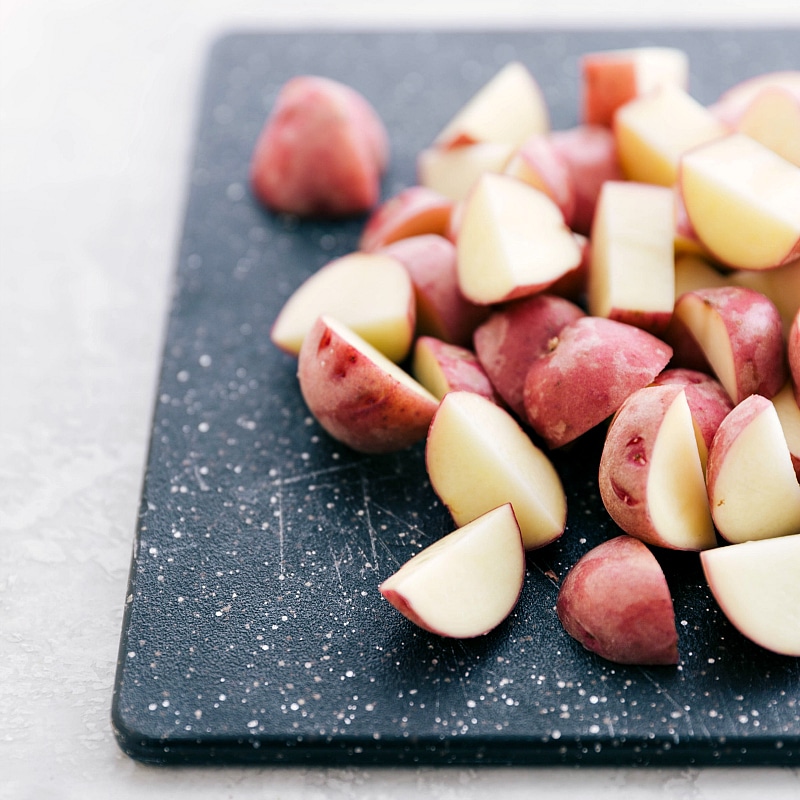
[789, 415]
[767, 109]
[507, 109]
[616, 602]
[572, 285]
[590, 154]
[654, 130]
[452, 171]
[357, 395]
[321, 152]
[740, 334]
[466, 583]
[441, 368]
[708, 401]
[742, 201]
[538, 164]
[651, 476]
[371, 293]
[611, 78]
[441, 309]
[692, 272]
[591, 367]
[514, 335]
[781, 285]
[632, 264]
[734, 101]
[756, 586]
[413, 211]
[752, 486]
[793, 354]
[512, 241]
[478, 458]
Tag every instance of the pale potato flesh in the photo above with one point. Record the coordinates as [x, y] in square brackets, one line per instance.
[466, 583]
[743, 201]
[632, 273]
[654, 130]
[478, 458]
[453, 171]
[752, 486]
[512, 241]
[711, 333]
[507, 109]
[676, 488]
[756, 586]
[371, 293]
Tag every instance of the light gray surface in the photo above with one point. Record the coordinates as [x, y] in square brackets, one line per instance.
[97, 103]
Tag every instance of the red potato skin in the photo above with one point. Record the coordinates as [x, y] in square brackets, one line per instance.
[590, 154]
[460, 367]
[442, 310]
[593, 365]
[572, 286]
[607, 83]
[538, 154]
[321, 152]
[413, 211]
[355, 401]
[793, 354]
[740, 416]
[514, 336]
[708, 401]
[627, 453]
[755, 329]
[616, 602]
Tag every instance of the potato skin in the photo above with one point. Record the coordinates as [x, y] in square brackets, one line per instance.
[321, 152]
[616, 602]
[594, 364]
[355, 400]
[626, 456]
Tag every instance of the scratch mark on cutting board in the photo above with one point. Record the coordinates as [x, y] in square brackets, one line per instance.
[368, 519]
[312, 475]
[681, 710]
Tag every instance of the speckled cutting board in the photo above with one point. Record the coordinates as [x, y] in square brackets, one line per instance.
[253, 627]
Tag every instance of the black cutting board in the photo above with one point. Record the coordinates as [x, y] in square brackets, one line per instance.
[253, 627]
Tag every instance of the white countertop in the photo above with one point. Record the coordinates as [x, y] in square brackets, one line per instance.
[97, 104]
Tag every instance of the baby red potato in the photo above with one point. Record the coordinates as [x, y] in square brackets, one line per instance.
[590, 154]
[708, 401]
[752, 486]
[369, 292]
[441, 368]
[322, 151]
[740, 333]
[515, 335]
[632, 263]
[793, 354]
[789, 416]
[478, 457]
[591, 367]
[766, 108]
[359, 396]
[611, 78]
[616, 602]
[413, 211]
[653, 131]
[442, 310]
[512, 241]
[507, 109]
[466, 583]
[756, 586]
[538, 163]
[743, 202]
[651, 473]
[452, 171]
